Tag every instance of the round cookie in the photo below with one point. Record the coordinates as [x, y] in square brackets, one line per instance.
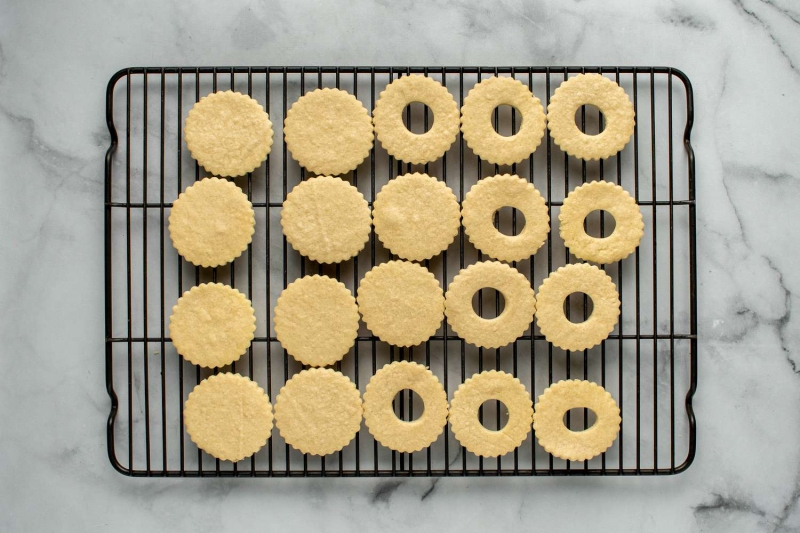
[396, 138]
[517, 315]
[554, 324]
[416, 216]
[211, 223]
[228, 133]
[401, 303]
[328, 131]
[316, 320]
[601, 195]
[554, 436]
[318, 411]
[380, 418]
[326, 219]
[467, 428]
[609, 98]
[476, 121]
[228, 416]
[493, 193]
[212, 325]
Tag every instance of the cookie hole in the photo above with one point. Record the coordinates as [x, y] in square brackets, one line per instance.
[504, 220]
[488, 303]
[408, 406]
[589, 120]
[414, 118]
[575, 309]
[493, 414]
[506, 120]
[599, 224]
[579, 418]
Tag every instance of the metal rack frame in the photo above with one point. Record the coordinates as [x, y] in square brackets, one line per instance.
[127, 355]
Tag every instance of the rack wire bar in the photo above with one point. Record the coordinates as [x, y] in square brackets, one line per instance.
[648, 363]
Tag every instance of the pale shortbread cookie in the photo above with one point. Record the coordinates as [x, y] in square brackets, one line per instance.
[517, 315]
[212, 325]
[493, 193]
[228, 416]
[384, 424]
[228, 133]
[211, 223]
[393, 134]
[402, 303]
[477, 114]
[467, 428]
[328, 131]
[316, 320]
[594, 196]
[326, 219]
[609, 98]
[416, 216]
[318, 411]
[555, 325]
[554, 436]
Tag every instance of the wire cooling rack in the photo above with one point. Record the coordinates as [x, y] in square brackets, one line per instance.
[648, 363]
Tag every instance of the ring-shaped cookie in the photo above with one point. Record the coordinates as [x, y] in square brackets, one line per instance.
[555, 325]
[476, 121]
[467, 428]
[396, 138]
[609, 98]
[605, 196]
[554, 436]
[384, 424]
[493, 193]
[318, 411]
[328, 131]
[517, 315]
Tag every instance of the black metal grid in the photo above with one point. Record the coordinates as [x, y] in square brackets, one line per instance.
[648, 363]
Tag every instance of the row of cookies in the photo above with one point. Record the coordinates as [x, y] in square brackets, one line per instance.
[319, 412]
[329, 131]
[415, 216]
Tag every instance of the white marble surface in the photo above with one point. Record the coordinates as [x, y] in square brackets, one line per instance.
[744, 59]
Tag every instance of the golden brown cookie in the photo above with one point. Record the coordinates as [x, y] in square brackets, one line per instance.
[326, 219]
[555, 325]
[493, 193]
[467, 428]
[476, 121]
[401, 303]
[212, 325]
[328, 132]
[228, 416]
[517, 315]
[396, 138]
[228, 133]
[316, 320]
[416, 216]
[554, 436]
[594, 196]
[609, 98]
[318, 411]
[380, 418]
[211, 223]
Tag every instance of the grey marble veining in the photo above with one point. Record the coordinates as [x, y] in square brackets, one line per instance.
[55, 59]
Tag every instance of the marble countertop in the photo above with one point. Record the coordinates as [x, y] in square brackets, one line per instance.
[743, 58]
